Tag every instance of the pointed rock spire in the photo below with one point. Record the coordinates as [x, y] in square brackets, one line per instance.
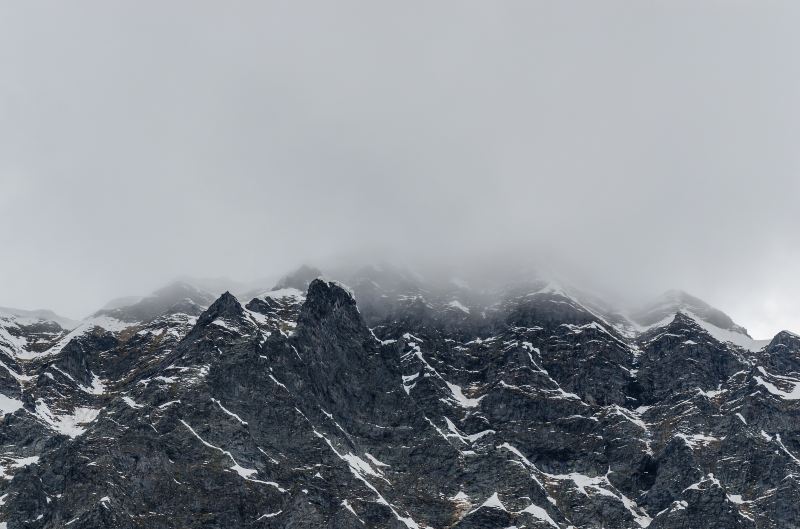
[226, 307]
[675, 301]
[328, 304]
[785, 339]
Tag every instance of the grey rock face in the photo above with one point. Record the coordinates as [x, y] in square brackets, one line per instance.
[397, 405]
[783, 353]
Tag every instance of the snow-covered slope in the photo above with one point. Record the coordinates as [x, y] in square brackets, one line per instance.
[661, 311]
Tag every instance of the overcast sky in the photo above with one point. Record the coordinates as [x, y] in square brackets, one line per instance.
[649, 144]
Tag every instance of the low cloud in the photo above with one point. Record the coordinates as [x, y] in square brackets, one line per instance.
[641, 147]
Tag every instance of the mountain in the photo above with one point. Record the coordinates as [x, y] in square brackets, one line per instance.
[178, 297]
[37, 315]
[395, 402]
[299, 279]
[712, 319]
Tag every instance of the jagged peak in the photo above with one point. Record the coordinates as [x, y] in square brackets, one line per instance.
[330, 300]
[660, 312]
[226, 307]
[785, 339]
[38, 314]
[688, 320]
[680, 322]
[329, 292]
[682, 318]
[174, 294]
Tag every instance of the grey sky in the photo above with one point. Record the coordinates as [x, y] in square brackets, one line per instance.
[648, 144]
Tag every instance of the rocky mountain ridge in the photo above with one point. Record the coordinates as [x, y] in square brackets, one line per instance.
[394, 403]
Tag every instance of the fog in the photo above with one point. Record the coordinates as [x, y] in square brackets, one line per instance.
[639, 146]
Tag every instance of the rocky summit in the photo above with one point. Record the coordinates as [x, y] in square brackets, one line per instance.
[395, 403]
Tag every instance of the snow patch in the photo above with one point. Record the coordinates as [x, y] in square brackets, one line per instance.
[70, 425]
[284, 293]
[269, 515]
[540, 514]
[11, 462]
[9, 405]
[493, 502]
[463, 400]
[455, 304]
[792, 394]
[223, 408]
[697, 440]
[130, 402]
[347, 506]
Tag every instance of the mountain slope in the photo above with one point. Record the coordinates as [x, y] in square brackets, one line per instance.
[526, 408]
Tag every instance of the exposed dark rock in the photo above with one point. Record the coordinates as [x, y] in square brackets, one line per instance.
[398, 405]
